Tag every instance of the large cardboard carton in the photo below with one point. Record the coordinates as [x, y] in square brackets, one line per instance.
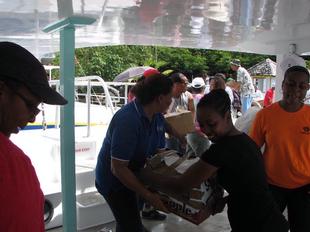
[199, 203]
[182, 122]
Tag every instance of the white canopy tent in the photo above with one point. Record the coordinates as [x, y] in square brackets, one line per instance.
[261, 26]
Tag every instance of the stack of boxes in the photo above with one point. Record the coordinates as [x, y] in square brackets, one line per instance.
[199, 203]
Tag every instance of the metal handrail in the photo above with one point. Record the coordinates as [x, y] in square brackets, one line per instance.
[95, 81]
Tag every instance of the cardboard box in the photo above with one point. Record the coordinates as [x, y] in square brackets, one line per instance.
[182, 122]
[199, 204]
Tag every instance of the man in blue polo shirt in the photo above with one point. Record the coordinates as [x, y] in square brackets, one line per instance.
[135, 133]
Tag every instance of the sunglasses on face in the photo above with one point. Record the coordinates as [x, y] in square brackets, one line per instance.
[33, 107]
[13, 86]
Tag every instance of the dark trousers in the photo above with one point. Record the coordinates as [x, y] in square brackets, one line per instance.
[125, 208]
[297, 202]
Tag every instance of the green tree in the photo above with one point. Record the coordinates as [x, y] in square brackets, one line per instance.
[109, 61]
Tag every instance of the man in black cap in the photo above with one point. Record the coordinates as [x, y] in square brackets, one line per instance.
[23, 86]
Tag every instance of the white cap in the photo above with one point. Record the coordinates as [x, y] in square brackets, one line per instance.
[198, 82]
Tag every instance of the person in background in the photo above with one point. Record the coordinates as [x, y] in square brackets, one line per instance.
[23, 87]
[207, 87]
[269, 96]
[245, 84]
[130, 96]
[146, 73]
[181, 100]
[198, 86]
[236, 103]
[245, 121]
[197, 142]
[258, 96]
[284, 129]
[237, 160]
[218, 82]
[307, 98]
[135, 133]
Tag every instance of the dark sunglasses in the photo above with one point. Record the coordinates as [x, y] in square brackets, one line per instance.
[13, 85]
[30, 105]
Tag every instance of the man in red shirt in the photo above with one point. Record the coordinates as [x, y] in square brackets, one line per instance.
[23, 86]
[268, 100]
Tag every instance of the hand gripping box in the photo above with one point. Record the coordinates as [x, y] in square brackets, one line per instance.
[199, 203]
[182, 122]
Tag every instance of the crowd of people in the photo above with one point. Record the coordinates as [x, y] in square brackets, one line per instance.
[233, 152]
[264, 166]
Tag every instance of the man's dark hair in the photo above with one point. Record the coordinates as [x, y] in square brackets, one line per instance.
[147, 89]
[217, 100]
[297, 68]
[219, 81]
[176, 77]
[220, 75]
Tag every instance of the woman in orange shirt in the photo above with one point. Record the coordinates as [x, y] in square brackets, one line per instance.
[284, 129]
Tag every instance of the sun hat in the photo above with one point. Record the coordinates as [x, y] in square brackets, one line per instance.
[198, 82]
[18, 64]
[235, 62]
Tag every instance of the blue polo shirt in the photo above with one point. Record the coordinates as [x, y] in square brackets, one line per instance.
[132, 137]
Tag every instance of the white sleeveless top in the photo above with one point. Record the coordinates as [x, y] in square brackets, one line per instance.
[180, 103]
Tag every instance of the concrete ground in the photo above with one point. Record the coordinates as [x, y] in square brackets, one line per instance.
[217, 223]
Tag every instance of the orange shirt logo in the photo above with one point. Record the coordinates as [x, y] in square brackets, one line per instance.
[305, 130]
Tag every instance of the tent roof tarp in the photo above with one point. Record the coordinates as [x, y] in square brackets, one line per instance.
[265, 68]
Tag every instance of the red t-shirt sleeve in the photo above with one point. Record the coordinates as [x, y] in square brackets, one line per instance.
[21, 199]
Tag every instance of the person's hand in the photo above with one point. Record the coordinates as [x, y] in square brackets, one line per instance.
[154, 200]
[219, 205]
[183, 141]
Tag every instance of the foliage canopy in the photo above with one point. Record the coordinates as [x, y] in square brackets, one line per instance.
[109, 61]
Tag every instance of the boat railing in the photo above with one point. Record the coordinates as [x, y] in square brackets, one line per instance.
[93, 90]
[99, 97]
[116, 93]
[123, 88]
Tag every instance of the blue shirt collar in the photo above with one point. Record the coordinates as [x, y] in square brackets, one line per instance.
[139, 109]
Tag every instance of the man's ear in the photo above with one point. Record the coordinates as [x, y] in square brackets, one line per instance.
[282, 84]
[2, 90]
[227, 115]
[160, 98]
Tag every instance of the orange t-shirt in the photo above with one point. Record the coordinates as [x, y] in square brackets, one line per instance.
[286, 136]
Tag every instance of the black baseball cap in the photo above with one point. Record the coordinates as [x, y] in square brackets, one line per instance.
[21, 66]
